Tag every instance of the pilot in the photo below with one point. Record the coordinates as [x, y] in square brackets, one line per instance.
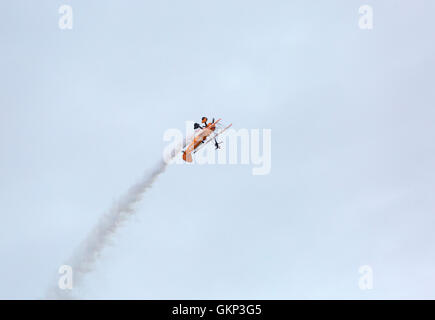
[197, 125]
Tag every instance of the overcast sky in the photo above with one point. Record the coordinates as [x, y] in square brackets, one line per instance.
[83, 113]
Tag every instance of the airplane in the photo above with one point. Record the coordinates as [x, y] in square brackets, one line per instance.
[206, 132]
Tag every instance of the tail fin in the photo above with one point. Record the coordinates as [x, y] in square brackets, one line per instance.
[187, 156]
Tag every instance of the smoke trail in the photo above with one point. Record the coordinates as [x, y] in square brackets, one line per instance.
[83, 260]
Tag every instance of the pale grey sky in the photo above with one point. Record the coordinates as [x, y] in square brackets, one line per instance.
[83, 112]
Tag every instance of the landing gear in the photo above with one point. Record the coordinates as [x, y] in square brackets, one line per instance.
[216, 144]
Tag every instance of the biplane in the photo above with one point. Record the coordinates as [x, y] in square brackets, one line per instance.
[204, 133]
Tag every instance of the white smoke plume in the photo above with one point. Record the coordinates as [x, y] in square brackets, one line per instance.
[83, 260]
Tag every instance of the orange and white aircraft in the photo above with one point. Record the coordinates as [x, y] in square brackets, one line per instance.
[204, 135]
